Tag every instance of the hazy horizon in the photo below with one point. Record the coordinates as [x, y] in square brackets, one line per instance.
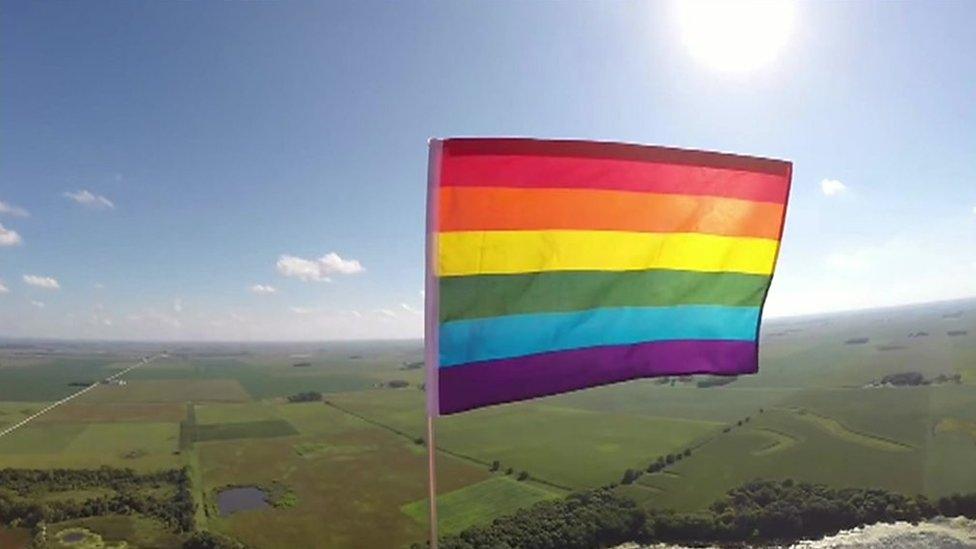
[769, 321]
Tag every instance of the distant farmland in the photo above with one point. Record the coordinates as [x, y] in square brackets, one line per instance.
[338, 469]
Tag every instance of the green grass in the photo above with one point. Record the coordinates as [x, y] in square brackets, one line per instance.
[478, 503]
[264, 386]
[837, 429]
[341, 499]
[683, 401]
[538, 438]
[48, 381]
[168, 391]
[248, 429]
[118, 438]
[322, 448]
[142, 446]
[780, 444]
[39, 439]
[234, 413]
[262, 379]
[134, 531]
[778, 441]
[315, 418]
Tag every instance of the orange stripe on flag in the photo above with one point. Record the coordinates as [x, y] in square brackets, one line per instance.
[499, 208]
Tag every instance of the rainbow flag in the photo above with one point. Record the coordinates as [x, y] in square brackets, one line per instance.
[559, 265]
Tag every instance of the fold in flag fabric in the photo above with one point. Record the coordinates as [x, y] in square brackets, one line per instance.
[553, 266]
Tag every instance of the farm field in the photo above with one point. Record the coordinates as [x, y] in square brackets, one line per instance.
[360, 473]
[465, 507]
[350, 470]
[14, 537]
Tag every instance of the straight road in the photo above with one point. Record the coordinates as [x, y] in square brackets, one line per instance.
[67, 399]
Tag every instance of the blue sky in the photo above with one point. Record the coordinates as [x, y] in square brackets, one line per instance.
[213, 138]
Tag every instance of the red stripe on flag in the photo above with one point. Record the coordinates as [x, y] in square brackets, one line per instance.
[579, 165]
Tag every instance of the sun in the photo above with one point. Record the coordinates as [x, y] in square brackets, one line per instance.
[735, 35]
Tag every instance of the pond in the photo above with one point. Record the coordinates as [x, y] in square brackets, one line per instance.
[73, 537]
[78, 537]
[232, 500]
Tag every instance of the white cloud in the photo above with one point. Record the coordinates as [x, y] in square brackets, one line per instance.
[317, 270]
[832, 187]
[9, 237]
[849, 261]
[99, 318]
[3, 288]
[10, 209]
[178, 305]
[974, 209]
[45, 282]
[89, 199]
[38, 304]
[332, 263]
[98, 286]
[299, 268]
[263, 289]
[301, 310]
[409, 309]
[152, 317]
[387, 313]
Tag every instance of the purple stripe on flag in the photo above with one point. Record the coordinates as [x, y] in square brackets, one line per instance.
[497, 381]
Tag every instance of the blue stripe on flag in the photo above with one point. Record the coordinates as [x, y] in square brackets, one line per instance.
[475, 340]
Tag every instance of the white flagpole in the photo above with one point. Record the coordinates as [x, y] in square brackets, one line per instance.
[431, 345]
[432, 481]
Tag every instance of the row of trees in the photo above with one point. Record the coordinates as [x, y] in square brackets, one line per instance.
[656, 466]
[758, 512]
[309, 396]
[663, 462]
[24, 482]
[497, 466]
[204, 539]
[132, 494]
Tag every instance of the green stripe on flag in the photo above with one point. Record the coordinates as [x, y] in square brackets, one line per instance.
[483, 296]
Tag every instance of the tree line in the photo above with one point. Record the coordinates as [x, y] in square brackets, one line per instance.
[309, 396]
[130, 496]
[761, 511]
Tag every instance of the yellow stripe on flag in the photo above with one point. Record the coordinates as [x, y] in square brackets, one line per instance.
[466, 253]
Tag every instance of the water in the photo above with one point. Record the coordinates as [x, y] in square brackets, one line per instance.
[233, 500]
[938, 533]
[73, 537]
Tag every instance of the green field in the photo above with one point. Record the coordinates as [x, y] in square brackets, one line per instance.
[118, 529]
[355, 475]
[142, 446]
[245, 429]
[479, 503]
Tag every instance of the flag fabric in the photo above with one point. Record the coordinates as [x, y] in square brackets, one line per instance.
[559, 265]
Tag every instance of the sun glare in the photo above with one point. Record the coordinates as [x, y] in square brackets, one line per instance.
[735, 35]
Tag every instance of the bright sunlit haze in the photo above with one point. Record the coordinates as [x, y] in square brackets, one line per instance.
[735, 36]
